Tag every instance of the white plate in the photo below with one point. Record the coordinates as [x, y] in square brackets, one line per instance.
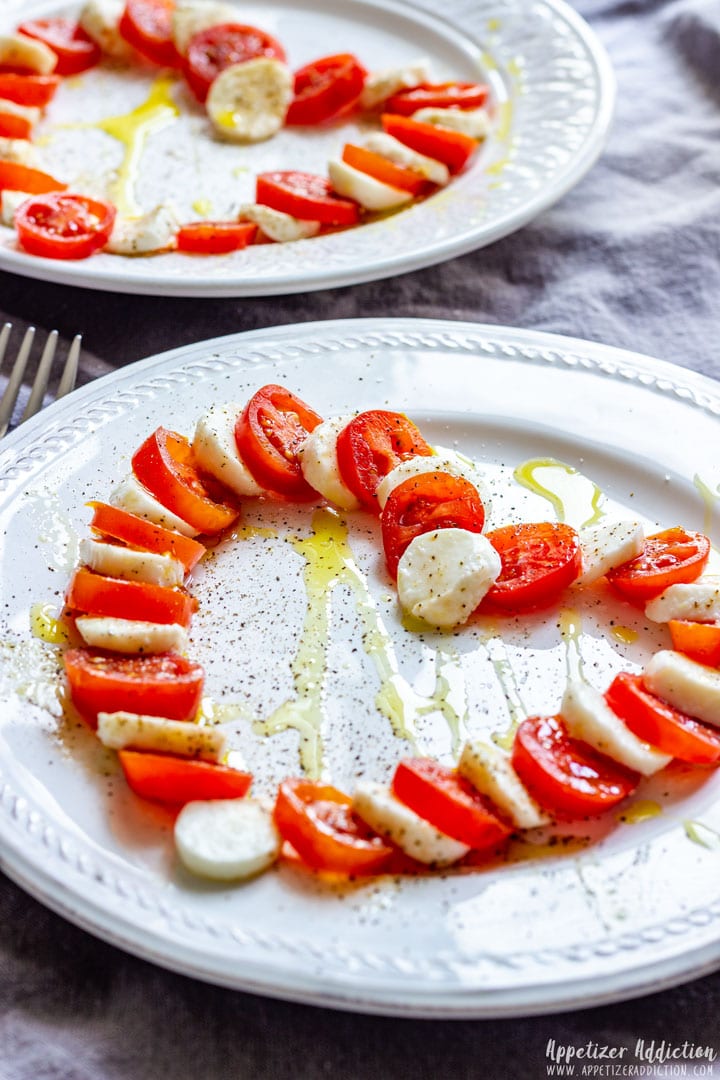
[551, 82]
[634, 911]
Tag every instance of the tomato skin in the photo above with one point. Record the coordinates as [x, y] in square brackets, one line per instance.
[371, 445]
[166, 685]
[380, 168]
[422, 503]
[539, 560]
[699, 641]
[318, 821]
[215, 237]
[305, 196]
[671, 557]
[661, 725]
[451, 147]
[211, 51]
[137, 532]
[75, 50]
[33, 90]
[269, 433]
[58, 225]
[95, 594]
[451, 804]
[567, 777]
[14, 127]
[147, 25]
[164, 464]
[325, 89]
[449, 95]
[16, 177]
[168, 779]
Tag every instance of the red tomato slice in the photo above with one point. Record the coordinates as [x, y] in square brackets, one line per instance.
[33, 90]
[75, 50]
[215, 237]
[14, 127]
[212, 50]
[167, 685]
[164, 464]
[661, 725]
[567, 777]
[371, 445]
[445, 799]
[451, 147]
[305, 196]
[16, 177]
[538, 562]
[62, 226]
[319, 823]
[148, 26]
[449, 95]
[169, 779]
[269, 433]
[139, 533]
[699, 641]
[380, 168]
[672, 557]
[326, 88]
[422, 503]
[95, 594]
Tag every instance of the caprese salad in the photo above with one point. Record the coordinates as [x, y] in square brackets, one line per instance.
[132, 682]
[426, 131]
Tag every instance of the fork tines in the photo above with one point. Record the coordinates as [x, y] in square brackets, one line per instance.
[41, 377]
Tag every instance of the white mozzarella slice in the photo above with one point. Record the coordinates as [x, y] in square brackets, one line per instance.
[119, 730]
[130, 495]
[698, 602]
[100, 19]
[19, 151]
[192, 16]
[131, 635]
[472, 122]
[400, 154]
[443, 460]
[319, 463]
[155, 231]
[688, 686]
[28, 54]
[227, 839]
[590, 719]
[379, 809]
[247, 102]
[489, 770]
[23, 112]
[372, 194]
[130, 564]
[444, 574]
[9, 202]
[608, 545]
[216, 451]
[380, 85]
[284, 228]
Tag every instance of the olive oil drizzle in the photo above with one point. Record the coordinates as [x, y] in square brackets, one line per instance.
[567, 494]
[497, 654]
[702, 835]
[570, 626]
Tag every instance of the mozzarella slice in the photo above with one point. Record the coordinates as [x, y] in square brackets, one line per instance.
[380, 85]
[489, 770]
[100, 19]
[284, 228]
[391, 148]
[19, 151]
[192, 16]
[130, 564]
[590, 719]
[698, 602]
[444, 574]
[130, 495]
[447, 461]
[472, 122]
[155, 231]
[608, 545]
[319, 463]
[372, 194]
[690, 687]
[247, 102]
[227, 839]
[124, 729]
[379, 809]
[28, 54]
[23, 112]
[131, 635]
[216, 451]
[9, 202]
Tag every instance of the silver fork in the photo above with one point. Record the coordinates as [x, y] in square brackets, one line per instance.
[42, 375]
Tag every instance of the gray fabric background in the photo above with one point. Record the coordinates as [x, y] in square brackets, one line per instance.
[631, 258]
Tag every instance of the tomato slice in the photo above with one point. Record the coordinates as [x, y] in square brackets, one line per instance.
[539, 560]
[380, 168]
[16, 177]
[672, 557]
[371, 445]
[451, 147]
[449, 95]
[699, 641]
[169, 779]
[661, 725]
[451, 804]
[95, 594]
[269, 433]
[33, 90]
[148, 26]
[567, 777]
[75, 50]
[305, 196]
[326, 88]
[14, 127]
[58, 225]
[319, 822]
[164, 464]
[422, 503]
[215, 237]
[212, 50]
[137, 532]
[166, 685]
